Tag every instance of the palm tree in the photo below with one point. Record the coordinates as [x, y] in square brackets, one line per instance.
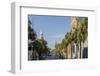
[74, 43]
[36, 46]
[84, 32]
[59, 49]
[66, 44]
[43, 47]
[77, 37]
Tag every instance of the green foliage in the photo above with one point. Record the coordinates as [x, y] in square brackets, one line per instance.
[79, 35]
[38, 45]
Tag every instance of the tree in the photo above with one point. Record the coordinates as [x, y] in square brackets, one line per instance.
[44, 48]
[31, 40]
[38, 45]
[84, 32]
[31, 33]
[58, 50]
[66, 42]
[77, 37]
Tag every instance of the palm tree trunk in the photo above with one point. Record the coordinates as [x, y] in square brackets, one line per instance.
[80, 50]
[65, 49]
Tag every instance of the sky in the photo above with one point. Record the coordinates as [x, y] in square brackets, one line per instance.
[53, 28]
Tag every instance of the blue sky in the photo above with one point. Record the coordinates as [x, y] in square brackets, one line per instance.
[54, 28]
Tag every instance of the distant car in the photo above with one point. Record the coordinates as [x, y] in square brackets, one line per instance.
[49, 55]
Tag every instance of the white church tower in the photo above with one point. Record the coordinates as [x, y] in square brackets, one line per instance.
[41, 35]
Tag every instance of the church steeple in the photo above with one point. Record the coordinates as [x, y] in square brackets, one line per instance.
[41, 35]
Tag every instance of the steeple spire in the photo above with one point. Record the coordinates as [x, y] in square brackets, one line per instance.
[41, 35]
